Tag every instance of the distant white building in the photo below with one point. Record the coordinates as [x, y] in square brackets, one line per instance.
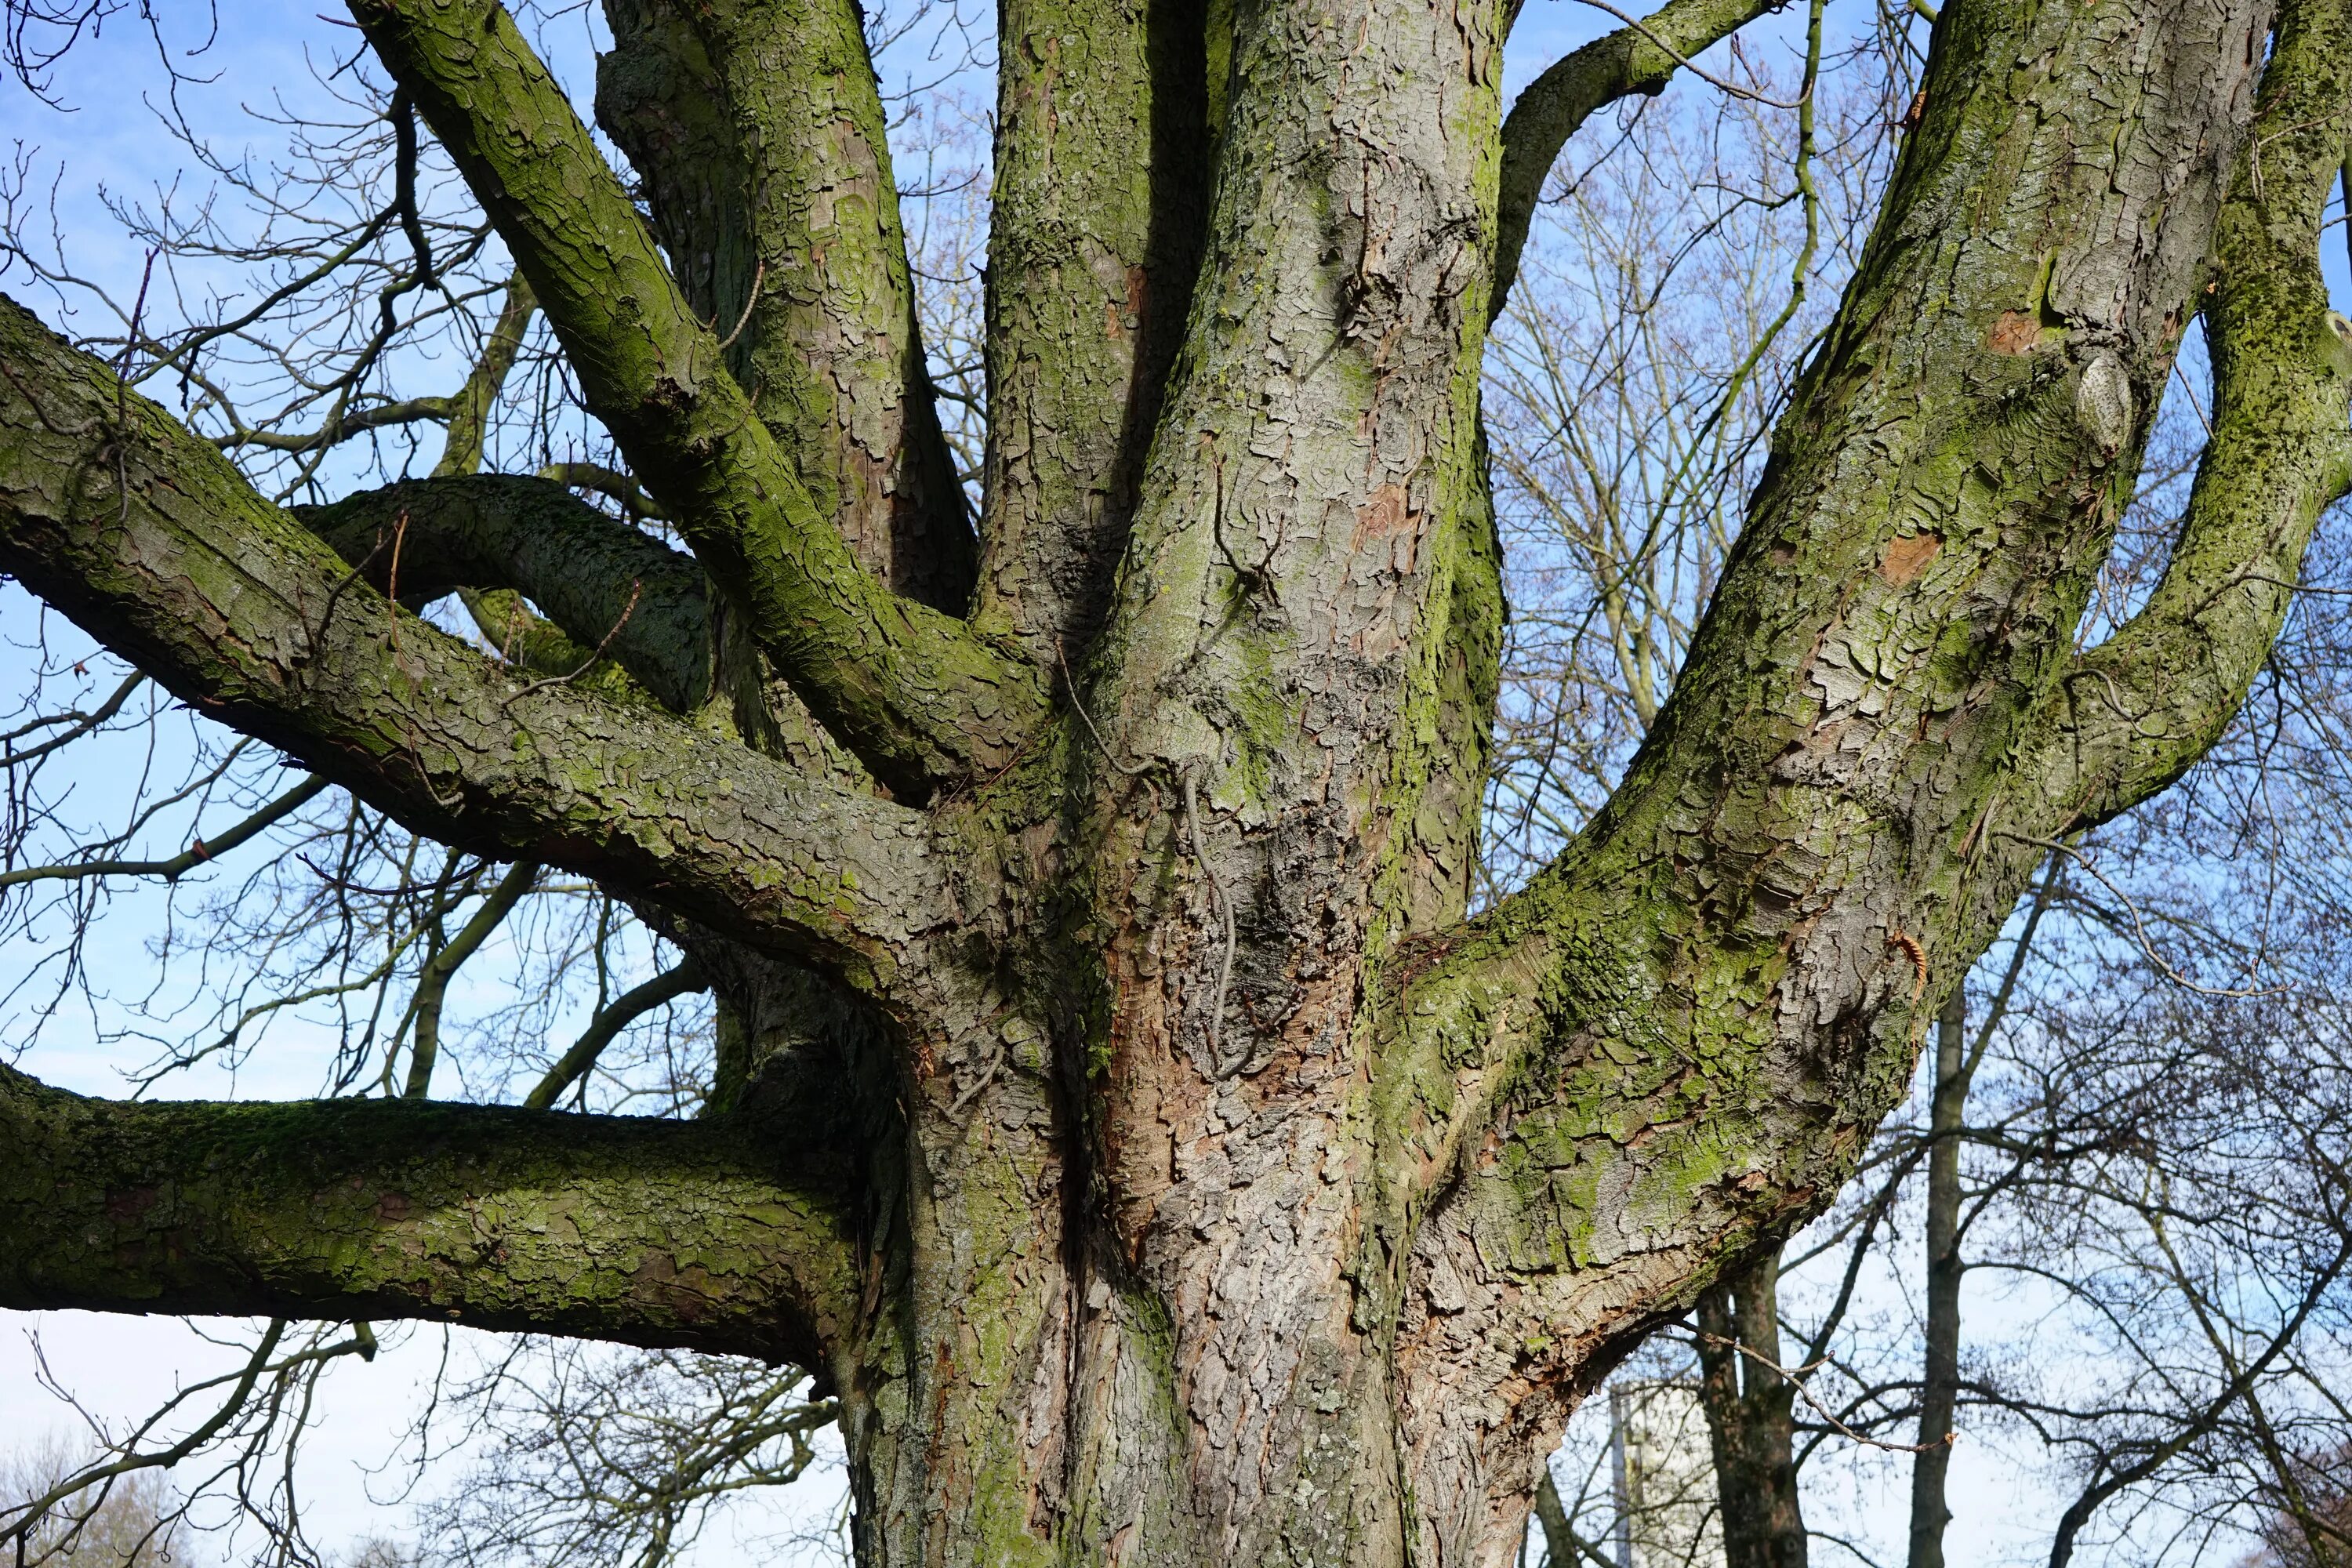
[1663, 1477]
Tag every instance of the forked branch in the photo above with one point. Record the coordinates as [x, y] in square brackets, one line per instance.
[2135, 713]
[911, 690]
[153, 543]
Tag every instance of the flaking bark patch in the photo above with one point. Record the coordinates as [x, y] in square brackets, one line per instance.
[1908, 556]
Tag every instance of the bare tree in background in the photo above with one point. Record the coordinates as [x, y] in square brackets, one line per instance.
[129, 1520]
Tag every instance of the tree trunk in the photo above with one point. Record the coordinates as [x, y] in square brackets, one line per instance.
[1561, 1546]
[1750, 1407]
[1171, 1173]
[1939, 1386]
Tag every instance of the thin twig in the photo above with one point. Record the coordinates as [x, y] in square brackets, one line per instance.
[122, 392]
[1796, 1381]
[399, 535]
[196, 853]
[2255, 153]
[312, 650]
[2140, 928]
[2295, 587]
[81, 724]
[391, 583]
[759, 275]
[1808, 195]
[636, 587]
[1132, 770]
[130, 341]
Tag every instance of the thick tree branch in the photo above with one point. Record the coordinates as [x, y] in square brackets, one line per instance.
[584, 570]
[147, 538]
[921, 701]
[469, 409]
[2135, 713]
[1630, 60]
[707, 1233]
[759, 130]
[1754, 828]
[1097, 214]
[1671, 1047]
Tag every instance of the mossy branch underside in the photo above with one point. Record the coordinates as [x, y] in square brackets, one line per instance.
[708, 1234]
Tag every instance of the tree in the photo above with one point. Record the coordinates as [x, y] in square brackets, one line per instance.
[1119, 1111]
[2154, 1161]
[2313, 1525]
[132, 1520]
[2094, 1165]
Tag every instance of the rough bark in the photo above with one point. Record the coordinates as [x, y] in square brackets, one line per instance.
[1213, 1190]
[1273, 659]
[1102, 149]
[723, 1235]
[759, 131]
